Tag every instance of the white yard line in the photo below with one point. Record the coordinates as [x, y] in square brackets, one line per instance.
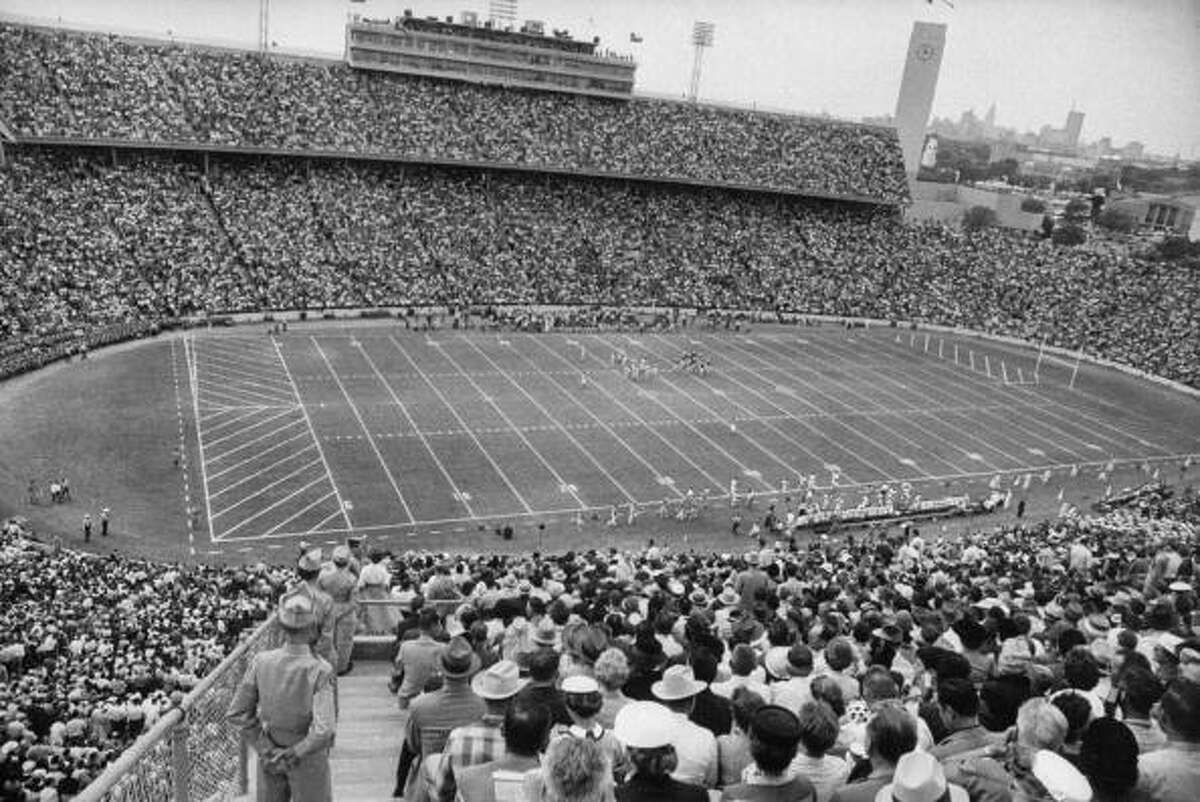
[217, 384]
[936, 390]
[570, 488]
[370, 438]
[224, 535]
[717, 483]
[1068, 420]
[780, 433]
[262, 471]
[255, 441]
[612, 479]
[311, 431]
[258, 455]
[238, 418]
[251, 426]
[262, 490]
[875, 443]
[459, 495]
[600, 424]
[471, 434]
[321, 523]
[299, 513]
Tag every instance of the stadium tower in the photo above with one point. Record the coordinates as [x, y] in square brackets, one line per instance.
[917, 87]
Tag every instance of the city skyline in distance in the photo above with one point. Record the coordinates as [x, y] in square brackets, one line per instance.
[1134, 68]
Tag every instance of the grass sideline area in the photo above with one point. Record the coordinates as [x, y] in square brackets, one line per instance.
[435, 439]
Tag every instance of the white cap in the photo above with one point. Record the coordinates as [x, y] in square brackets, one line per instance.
[1062, 781]
[644, 725]
[579, 683]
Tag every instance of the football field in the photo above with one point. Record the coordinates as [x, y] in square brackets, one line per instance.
[327, 431]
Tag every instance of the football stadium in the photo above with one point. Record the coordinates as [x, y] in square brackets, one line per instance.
[449, 421]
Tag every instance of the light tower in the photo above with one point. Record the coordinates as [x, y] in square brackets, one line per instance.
[264, 25]
[702, 37]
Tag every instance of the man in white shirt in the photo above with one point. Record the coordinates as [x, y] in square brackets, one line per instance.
[695, 746]
[794, 692]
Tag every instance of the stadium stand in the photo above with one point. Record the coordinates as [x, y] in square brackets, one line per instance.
[93, 649]
[68, 85]
[152, 237]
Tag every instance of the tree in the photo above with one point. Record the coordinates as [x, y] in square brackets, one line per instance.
[1047, 226]
[978, 217]
[1173, 248]
[1077, 209]
[1033, 205]
[1069, 234]
[1116, 220]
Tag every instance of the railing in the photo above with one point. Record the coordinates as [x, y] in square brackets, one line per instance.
[191, 753]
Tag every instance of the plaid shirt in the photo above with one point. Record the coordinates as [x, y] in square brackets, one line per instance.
[469, 745]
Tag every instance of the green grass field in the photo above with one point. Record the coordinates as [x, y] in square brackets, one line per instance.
[418, 440]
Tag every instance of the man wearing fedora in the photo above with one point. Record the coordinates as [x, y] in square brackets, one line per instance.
[285, 704]
[695, 746]
[919, 778]
[480, 741]
[432, 717]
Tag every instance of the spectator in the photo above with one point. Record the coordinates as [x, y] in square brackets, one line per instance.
[647, 729]
[774, 737]
[1108, 758]
[612, 671]
[695, 747]
[525, 730]
[891, 734]
[818, 734]
[1172, 774]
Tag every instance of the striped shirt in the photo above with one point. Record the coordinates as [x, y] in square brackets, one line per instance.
[469, 745]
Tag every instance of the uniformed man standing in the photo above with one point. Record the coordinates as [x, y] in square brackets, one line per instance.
[285, 705]
[308, 568]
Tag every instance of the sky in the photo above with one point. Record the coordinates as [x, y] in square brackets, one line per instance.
[1132, 66]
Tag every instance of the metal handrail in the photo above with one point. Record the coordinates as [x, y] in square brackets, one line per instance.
[166, 728]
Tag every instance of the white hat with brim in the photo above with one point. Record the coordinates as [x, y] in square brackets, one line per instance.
[920, 778]
[644, 725]
[677, 683]
[502, 680]
[1062, 781]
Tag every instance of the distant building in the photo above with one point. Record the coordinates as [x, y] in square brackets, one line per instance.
[1162, 213]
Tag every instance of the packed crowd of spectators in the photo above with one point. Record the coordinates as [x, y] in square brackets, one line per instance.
[154, 238]
[64, 84]
[1051, 661]
[93, 650]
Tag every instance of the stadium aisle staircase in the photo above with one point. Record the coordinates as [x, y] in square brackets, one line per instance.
[370, 728]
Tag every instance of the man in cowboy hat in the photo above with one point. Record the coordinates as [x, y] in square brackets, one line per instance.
[433, 715]
[481, 741]
[308, 569]
[285, 704]
[695, 746]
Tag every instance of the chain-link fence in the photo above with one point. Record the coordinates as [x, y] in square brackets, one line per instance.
[191, 754]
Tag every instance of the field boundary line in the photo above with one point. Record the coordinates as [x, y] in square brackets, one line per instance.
[358, 416]
[311, 431]
[470, 433]
[189, 350]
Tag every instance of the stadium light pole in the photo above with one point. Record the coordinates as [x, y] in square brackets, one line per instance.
[702, 37]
